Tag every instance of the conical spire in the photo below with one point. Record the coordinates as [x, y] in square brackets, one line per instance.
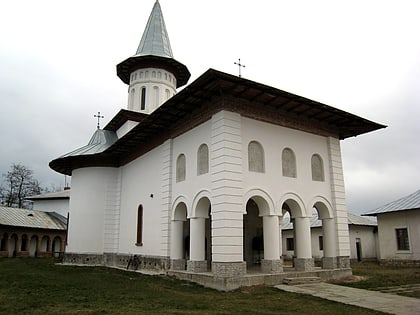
[154, 51]
[155, 39]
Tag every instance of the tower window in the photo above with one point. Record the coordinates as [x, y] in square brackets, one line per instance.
[143, 98]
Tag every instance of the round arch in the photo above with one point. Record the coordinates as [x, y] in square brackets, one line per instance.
[180, 209]
[323, 206]
[295, 205]
[262, 199]
[201, 205]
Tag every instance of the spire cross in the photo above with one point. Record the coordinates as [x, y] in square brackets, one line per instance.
[99, 117]
[239, 65]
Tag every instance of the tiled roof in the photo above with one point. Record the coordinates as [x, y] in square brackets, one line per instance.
[410, 202]
[32, 218]
[352, 219]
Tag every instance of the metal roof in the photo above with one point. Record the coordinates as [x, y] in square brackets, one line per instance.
[32, 219]
[410, 202]
[352, 219]
[63, 194]
[154, 50]
[155, 39]
[210, 93]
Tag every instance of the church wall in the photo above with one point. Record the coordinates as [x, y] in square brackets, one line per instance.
[141, 185]
[89, 197]
[273, 140]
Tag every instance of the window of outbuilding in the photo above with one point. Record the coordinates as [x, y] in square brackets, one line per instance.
[255, 157]
[403, 242]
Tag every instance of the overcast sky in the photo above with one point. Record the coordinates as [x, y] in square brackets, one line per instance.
[58, 68]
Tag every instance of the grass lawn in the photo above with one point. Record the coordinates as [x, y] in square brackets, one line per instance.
[374, 277]
[39, 286]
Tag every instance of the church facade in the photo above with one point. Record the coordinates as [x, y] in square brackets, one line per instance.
[196, 183]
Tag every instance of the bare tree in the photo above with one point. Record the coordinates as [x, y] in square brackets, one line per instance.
[18, 185]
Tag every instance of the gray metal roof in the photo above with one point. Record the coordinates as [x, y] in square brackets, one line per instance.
[32, 219]
[352, 219]
[155, 39]
[100, 141]
[63, 194]
[410, 202]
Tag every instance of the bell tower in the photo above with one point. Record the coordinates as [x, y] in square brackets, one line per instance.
[152, 74]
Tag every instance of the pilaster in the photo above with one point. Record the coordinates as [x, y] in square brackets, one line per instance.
[166, 193]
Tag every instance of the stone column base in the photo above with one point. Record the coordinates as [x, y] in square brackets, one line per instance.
[304, 264]
[178, 264]
[272, 266]
[329, 262]
[228, 269]
[197, 265]
[343, 262]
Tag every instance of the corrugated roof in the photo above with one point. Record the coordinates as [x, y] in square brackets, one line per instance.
[410, 202]
[63, 194]
[32, 219]
[352, 219]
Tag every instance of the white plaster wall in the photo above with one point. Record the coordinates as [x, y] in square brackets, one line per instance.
[88, 199]
[126, 127]
[387, 223]
[274, 139]
[368, 240]
[60, 206]
[140, 179]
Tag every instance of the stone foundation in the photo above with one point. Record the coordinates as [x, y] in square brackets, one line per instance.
[304, 264]
[400, 262]
[271, 266]
[343, 262]
[329, 262]
[197, 266]
[228, 269]
[178, 264]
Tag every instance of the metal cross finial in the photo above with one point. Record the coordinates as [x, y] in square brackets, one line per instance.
[99, 117]
[239, 65]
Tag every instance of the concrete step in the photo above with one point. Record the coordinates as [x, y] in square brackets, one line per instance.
[301, 280]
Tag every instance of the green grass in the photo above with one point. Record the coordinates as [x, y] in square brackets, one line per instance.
[39, 286]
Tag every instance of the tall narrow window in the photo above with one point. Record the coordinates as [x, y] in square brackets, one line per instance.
[139, 241]
[167, 94]
[402, 239]
[203, 159]
[133, 91]
[321, 242]
[156, 92]
[317, 168]
[288, 162]
[180, 168]
[255, 157]
[143, 98]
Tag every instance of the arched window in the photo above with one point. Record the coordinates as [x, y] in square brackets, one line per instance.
[159, 75]
[288, 163]
[139, 241]
[153, 74]
[143, 98]
[132, 92]
[167, 93]
[255, 157]
[203, 159]
[180, 168]
[156, 92]
[317, 168]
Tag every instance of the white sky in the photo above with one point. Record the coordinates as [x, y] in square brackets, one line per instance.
[58, 68]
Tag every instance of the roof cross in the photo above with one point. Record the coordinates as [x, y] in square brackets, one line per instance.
[99, 117]
[239, 65]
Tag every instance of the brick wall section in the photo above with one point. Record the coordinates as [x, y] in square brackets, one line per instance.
[166, 196]
[226, 181]
[338, 197]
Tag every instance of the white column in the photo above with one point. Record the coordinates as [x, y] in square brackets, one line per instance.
[328, 231]
[197, 239]
[280, 237]
[271, 237]
[303, 237]
[177, 229]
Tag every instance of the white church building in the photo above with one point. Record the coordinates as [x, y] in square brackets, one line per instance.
[196, 183]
